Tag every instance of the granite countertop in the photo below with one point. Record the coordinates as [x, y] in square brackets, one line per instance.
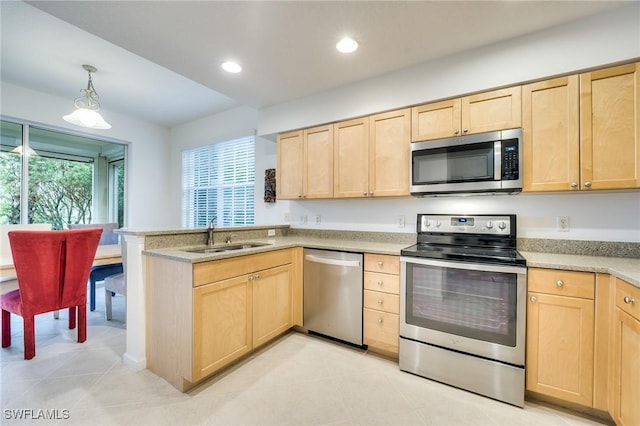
[627, 269]
[624, 268]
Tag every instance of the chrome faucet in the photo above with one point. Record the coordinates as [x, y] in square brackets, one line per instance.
[212, 227]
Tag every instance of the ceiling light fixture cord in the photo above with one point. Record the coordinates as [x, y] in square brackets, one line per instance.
[90, 98]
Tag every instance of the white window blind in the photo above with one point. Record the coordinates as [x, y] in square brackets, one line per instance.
[218, 181]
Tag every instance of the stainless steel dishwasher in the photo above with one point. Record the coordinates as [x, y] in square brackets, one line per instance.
[333, 294]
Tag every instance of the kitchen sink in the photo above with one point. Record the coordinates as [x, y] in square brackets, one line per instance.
[226, 247]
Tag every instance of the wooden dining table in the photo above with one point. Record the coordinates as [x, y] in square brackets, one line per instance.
[105, 255]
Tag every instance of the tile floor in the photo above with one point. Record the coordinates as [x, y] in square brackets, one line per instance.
[297, 380]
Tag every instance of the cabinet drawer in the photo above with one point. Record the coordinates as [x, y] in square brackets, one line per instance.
[382, 282]
[382, 263]
[382, 301]
[632, 295]
[381, 330]
[561, 283]
[217, 270]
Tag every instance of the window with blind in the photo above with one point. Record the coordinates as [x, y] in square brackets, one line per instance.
[218, 181]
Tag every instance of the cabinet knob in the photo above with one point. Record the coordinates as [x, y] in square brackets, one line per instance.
[533, 299]
[559, 283]
[371, 193]
[465, 130]
[364, 193]
[587, 184]
[380, 263]
[380, 283]
[628, 300]
[250, 277]
[380, 321]
[574, 184]
[456, 131]
[380, 302]
[256, 276]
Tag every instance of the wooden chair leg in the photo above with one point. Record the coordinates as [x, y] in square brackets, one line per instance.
[29, 337]
[72, 318]
[82, 323]
[6, 329]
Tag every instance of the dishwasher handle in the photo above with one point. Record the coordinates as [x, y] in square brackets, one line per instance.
[334, 262]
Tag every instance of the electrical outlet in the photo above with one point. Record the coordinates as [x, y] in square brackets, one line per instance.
[563, 224]
[286, 218]
[303, 219]
[271, 233]
[318, 219]
[400, 221]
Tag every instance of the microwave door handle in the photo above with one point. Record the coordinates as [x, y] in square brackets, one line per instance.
[497, 160]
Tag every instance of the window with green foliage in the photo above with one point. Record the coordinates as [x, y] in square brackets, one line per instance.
[218, 181]
[57, 178]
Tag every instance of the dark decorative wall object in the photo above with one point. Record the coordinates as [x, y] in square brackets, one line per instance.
[270, 186]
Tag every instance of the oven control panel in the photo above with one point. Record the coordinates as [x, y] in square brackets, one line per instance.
[466, 224]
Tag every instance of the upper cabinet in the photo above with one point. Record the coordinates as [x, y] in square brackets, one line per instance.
[305, 164]
[351, 158]
[609, 128]
[371, 156]
[482, 112]
[581, 132]
[550, 134]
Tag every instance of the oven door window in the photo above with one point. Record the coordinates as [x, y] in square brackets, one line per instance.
[455, 164]
[476, 304]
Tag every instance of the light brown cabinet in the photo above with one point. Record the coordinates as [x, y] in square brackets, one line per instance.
[581, 132]
[204, 316]
[560, 334]
[610, 127]
[371, 156]
[625, 380]
[305, 164]
[482, 112]
[381, 319]
[551, 135]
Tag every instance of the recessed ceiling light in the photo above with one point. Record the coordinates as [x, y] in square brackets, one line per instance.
[232, 67]
[347, 45]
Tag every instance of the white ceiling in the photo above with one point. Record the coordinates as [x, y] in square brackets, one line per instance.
[159, 60]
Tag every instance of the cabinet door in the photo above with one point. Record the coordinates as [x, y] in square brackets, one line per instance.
[222, 321]
[351, 159]
[436, 120]
[551, 137]
[289, 172]
[609, 128]
[626, 369]
[489, 111]
[318, 162]
[560, 347]
[271, 303]
[389, 141]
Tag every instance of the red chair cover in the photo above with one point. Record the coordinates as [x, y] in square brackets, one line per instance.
[52, 269]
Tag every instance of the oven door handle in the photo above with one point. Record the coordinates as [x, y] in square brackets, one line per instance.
[464, 265]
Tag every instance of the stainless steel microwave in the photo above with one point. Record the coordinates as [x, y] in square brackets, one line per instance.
[485, 163]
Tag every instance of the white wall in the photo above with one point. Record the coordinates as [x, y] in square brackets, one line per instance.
[612, 216]
[603, 216]
[235, 123]
[147, 149]
[603, 39]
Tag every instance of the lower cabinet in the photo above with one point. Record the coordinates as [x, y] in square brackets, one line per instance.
[381, 316]
[202, 318]
[625, 380]
[560, 334]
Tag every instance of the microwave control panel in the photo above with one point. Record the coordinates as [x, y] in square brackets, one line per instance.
[510, 160]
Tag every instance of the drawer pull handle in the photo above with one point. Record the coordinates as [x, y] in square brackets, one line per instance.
[628, 300]
[559, 283]
[380, 283]
[379, 320]
[533, 298]
[380, 301]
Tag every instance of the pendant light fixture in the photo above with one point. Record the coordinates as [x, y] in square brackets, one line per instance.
[86, 114]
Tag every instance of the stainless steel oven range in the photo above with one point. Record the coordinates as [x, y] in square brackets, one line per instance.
[462, 305]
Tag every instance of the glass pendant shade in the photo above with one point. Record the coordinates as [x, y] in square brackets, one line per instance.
[86, 117]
